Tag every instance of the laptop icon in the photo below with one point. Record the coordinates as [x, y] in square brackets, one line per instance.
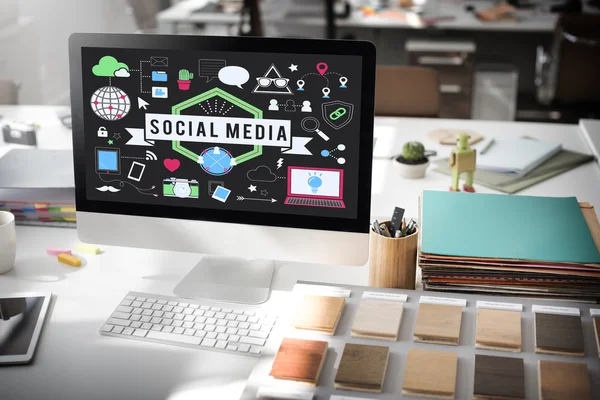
[316, 187]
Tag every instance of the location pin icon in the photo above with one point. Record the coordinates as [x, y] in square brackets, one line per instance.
[322, 68]
[300, 84]
[343, 81]
[326, 92]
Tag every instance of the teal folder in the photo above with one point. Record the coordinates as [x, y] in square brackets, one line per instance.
[549, 229]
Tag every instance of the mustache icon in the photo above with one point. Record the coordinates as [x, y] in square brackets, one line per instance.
[108, 189]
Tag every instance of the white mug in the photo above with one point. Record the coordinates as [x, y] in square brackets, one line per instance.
[8, 241]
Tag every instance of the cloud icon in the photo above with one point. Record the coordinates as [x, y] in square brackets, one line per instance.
[108, 66]
[122, 73]
[261, 173]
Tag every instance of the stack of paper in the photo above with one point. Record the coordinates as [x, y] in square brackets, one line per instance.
[37, 186]
[515, 245]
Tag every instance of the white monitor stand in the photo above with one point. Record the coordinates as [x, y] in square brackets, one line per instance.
[229, 279]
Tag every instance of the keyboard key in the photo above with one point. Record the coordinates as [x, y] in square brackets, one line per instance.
[215, 309]
[136, 303]
[205, 308]
[188, 311]
[231, 331]
[200, 319]
[156, 327]
[136, 324]
[167, 321]
[151, 301]
[194, 306]
[200, 334]
[253, 320]
[255, 327]
[137, 311]
[178, 309]
[147, 312]
[146, 326]
[234, 338]
[266, 328]
[257, 334]
[177, 323]
[211, 335]
[227, 310]
[238, 312]
[179, 317]
[243, 332]
[158, 313]
[243, 348]
[251, 340]
[221, 344]
[232, 347]
[169, 315]
[249, 313]
[222, 336]
[199, 326]
[208, 342]
[189, 318]
[140, 332]
[232, 324]
[121, 315]
[163, 302]
[145, 318]
[188, 324]
[170, 337]
[119, 322]
[219, 315]
[209, 314]
[107, 328]
[222, 322]
[255, 350]
[178, 331]
[157, 307]
[211, 321]
[126, 303]
[184, 305]
[168, 329]
[189, 332]
[146, 305]
[128, 331]
[241, 318]
[168, 308]
[141, 299]
[129, 297]
[220, 329]
[172, 303]
[156, 320]
[135, 317]
[209, 328]
[198, 313]
[230, 317]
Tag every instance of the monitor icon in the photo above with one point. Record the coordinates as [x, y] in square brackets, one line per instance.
[316, 187]
[108, 161]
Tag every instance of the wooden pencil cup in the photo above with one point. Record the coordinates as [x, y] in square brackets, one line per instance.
[393, 262]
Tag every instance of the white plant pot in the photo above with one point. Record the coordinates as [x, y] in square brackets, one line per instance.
[411, 171]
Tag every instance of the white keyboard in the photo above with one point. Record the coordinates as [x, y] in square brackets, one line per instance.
[189, 323]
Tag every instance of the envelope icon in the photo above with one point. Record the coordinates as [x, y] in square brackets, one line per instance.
[159, 61]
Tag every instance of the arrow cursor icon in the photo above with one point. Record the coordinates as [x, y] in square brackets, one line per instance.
[142, 103]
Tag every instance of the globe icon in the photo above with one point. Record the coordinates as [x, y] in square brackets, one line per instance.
[110, 103]
[216, 161]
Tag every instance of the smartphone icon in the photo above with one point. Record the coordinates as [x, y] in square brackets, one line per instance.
[136, 171]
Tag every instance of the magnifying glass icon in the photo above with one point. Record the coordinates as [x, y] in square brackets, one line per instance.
[311, 124]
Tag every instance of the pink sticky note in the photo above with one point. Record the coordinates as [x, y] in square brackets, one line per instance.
[57, 251]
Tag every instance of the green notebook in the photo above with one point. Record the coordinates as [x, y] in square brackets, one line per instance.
[550, 229]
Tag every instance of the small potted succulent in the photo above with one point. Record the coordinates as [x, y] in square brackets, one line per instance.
[185, 79]
[413, 161]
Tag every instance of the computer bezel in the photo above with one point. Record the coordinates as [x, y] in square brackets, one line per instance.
[366, 50]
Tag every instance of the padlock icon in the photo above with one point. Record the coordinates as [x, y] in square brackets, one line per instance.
[102, 132]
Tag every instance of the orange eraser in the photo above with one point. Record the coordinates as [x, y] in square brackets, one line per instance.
[69, 260]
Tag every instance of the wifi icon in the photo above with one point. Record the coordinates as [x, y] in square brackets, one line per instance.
[151, 156]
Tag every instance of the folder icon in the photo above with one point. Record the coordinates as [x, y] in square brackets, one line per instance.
[159, 76]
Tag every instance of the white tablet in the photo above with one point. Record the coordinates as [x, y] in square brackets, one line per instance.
[21, 318]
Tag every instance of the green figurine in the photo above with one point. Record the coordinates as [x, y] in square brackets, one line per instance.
[462, 159]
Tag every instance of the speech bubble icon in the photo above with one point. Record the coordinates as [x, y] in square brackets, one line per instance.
[234, 76]
[209, 68]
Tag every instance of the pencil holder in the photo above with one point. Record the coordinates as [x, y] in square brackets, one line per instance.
[393, 261]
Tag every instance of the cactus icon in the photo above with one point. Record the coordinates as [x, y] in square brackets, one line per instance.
[185, 79]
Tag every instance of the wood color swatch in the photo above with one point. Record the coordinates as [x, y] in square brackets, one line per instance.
[430, 373]
[558, 334]
[319, 314]
[299, 360]
[597, 330]
[438, 324]
[499, 378]
[378, 319]
[362, 368]
[498, 330]
[563, 380]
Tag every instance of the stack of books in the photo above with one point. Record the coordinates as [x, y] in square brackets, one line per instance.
[37, 186]
[512, 245]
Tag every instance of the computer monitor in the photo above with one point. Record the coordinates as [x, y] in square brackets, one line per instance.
[253, 148]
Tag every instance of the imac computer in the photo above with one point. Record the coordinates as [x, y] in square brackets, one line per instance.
[245, 150]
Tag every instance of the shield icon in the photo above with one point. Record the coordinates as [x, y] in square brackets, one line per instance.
[337, 113]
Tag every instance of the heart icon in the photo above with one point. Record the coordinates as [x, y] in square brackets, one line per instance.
[171, 164]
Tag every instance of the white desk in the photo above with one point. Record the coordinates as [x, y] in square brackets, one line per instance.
[74, 362]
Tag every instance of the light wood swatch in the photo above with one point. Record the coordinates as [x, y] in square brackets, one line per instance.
[438, 324]
[377, 319]
[299, 360]
[430, 373]
[319, 314]
[597, 331]
[563, 380]
[558, 334]
[362, 368]
[498, 330]
[499, 378]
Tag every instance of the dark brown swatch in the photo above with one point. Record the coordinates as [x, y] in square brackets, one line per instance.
[362, 368]
[597, 330]
[499, 378]
[558, 334]
[299, 360]
[564, 380]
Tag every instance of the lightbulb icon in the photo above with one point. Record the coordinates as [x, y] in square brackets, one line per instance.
[314, 182]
